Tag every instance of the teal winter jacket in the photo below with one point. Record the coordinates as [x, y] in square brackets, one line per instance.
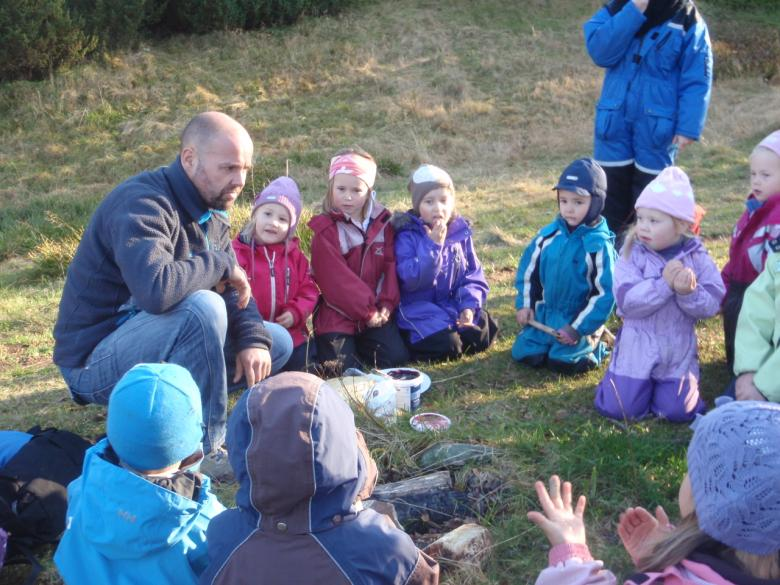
[124, 530]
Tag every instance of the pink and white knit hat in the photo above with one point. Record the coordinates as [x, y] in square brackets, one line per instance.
[771, 142]
[283, 191]
[353, 164]
[671, 193]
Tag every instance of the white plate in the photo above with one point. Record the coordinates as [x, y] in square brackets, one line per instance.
[425, 379]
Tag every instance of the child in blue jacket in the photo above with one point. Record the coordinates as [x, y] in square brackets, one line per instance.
[564, 279]
[443, 288]
[656, 92]
[138, 513]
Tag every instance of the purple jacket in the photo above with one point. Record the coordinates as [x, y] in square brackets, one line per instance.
[655, 316]
[437, 282]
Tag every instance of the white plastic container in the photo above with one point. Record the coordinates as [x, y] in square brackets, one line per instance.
[409, 383]
[376, 393]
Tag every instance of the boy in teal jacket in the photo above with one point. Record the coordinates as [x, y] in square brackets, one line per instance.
[564, 279]
[138, 514]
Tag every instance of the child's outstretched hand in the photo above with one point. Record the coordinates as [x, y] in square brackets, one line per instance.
[286, 319]
[638, 530]
[685, 282]
[560, 523]
[672, 268]
[523, 316]
[437, 232]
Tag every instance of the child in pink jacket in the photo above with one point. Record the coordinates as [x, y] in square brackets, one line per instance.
[758, 225]
[278, 271]
[729, 503]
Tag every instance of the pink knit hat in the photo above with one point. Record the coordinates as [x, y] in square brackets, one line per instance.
[671, 193]
[351, 163]
[772, 142]
[283, 191]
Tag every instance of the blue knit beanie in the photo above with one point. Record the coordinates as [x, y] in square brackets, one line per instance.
[734, 468]
[155, 416]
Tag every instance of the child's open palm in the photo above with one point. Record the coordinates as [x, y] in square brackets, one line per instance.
[560, 523]
[639, 530]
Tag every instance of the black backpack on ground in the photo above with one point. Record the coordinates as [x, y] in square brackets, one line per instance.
[34, 492]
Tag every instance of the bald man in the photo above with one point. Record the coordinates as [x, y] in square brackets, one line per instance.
[155, 279]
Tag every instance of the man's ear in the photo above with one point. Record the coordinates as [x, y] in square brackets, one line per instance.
[189, 159]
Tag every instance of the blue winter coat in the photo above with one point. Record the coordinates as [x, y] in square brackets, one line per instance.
[566, 278]
[437, 282]
[124, 530]
[149, 239]
[655, 86]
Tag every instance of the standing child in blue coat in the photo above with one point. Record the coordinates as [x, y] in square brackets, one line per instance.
[564, 279]
[138, 513]
[655, 96]
[443, 289]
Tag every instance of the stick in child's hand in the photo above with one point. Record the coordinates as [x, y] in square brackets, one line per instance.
[542, 327]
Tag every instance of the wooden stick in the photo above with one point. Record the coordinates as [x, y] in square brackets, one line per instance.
[542, 327]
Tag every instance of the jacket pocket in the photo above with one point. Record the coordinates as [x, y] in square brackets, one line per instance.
[661, 125]
[609, 120]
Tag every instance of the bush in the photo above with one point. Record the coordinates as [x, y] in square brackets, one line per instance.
[37, 37]
[118, 24]
[201, 16]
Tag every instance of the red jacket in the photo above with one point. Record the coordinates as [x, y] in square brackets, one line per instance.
[355, 270]
[750, 242]
[280, 282]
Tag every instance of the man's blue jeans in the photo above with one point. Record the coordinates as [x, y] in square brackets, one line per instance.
[192, 334]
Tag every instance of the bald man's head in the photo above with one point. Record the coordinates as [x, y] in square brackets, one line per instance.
[205, 126]
[216, 153]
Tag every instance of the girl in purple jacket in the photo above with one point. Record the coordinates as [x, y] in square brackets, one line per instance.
[729, 532]
[664, 282]
[443, 289]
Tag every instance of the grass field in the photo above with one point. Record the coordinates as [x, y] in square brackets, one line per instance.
[500, 94]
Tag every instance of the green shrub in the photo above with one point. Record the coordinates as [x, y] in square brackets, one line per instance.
[37, 37]
[201, 16]
[118, 23]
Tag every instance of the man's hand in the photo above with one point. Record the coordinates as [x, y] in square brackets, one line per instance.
[254, 363]
[238, 280]
[384, 313]
[286, 319]
[641, 5]
[746, 388]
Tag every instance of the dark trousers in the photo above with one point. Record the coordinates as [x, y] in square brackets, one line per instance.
[374, 347]
[624, 185]
[732, 305]
[452, 343]
[303, 358]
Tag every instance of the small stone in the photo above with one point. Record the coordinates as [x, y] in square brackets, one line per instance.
[469, 543]
[447, 454]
